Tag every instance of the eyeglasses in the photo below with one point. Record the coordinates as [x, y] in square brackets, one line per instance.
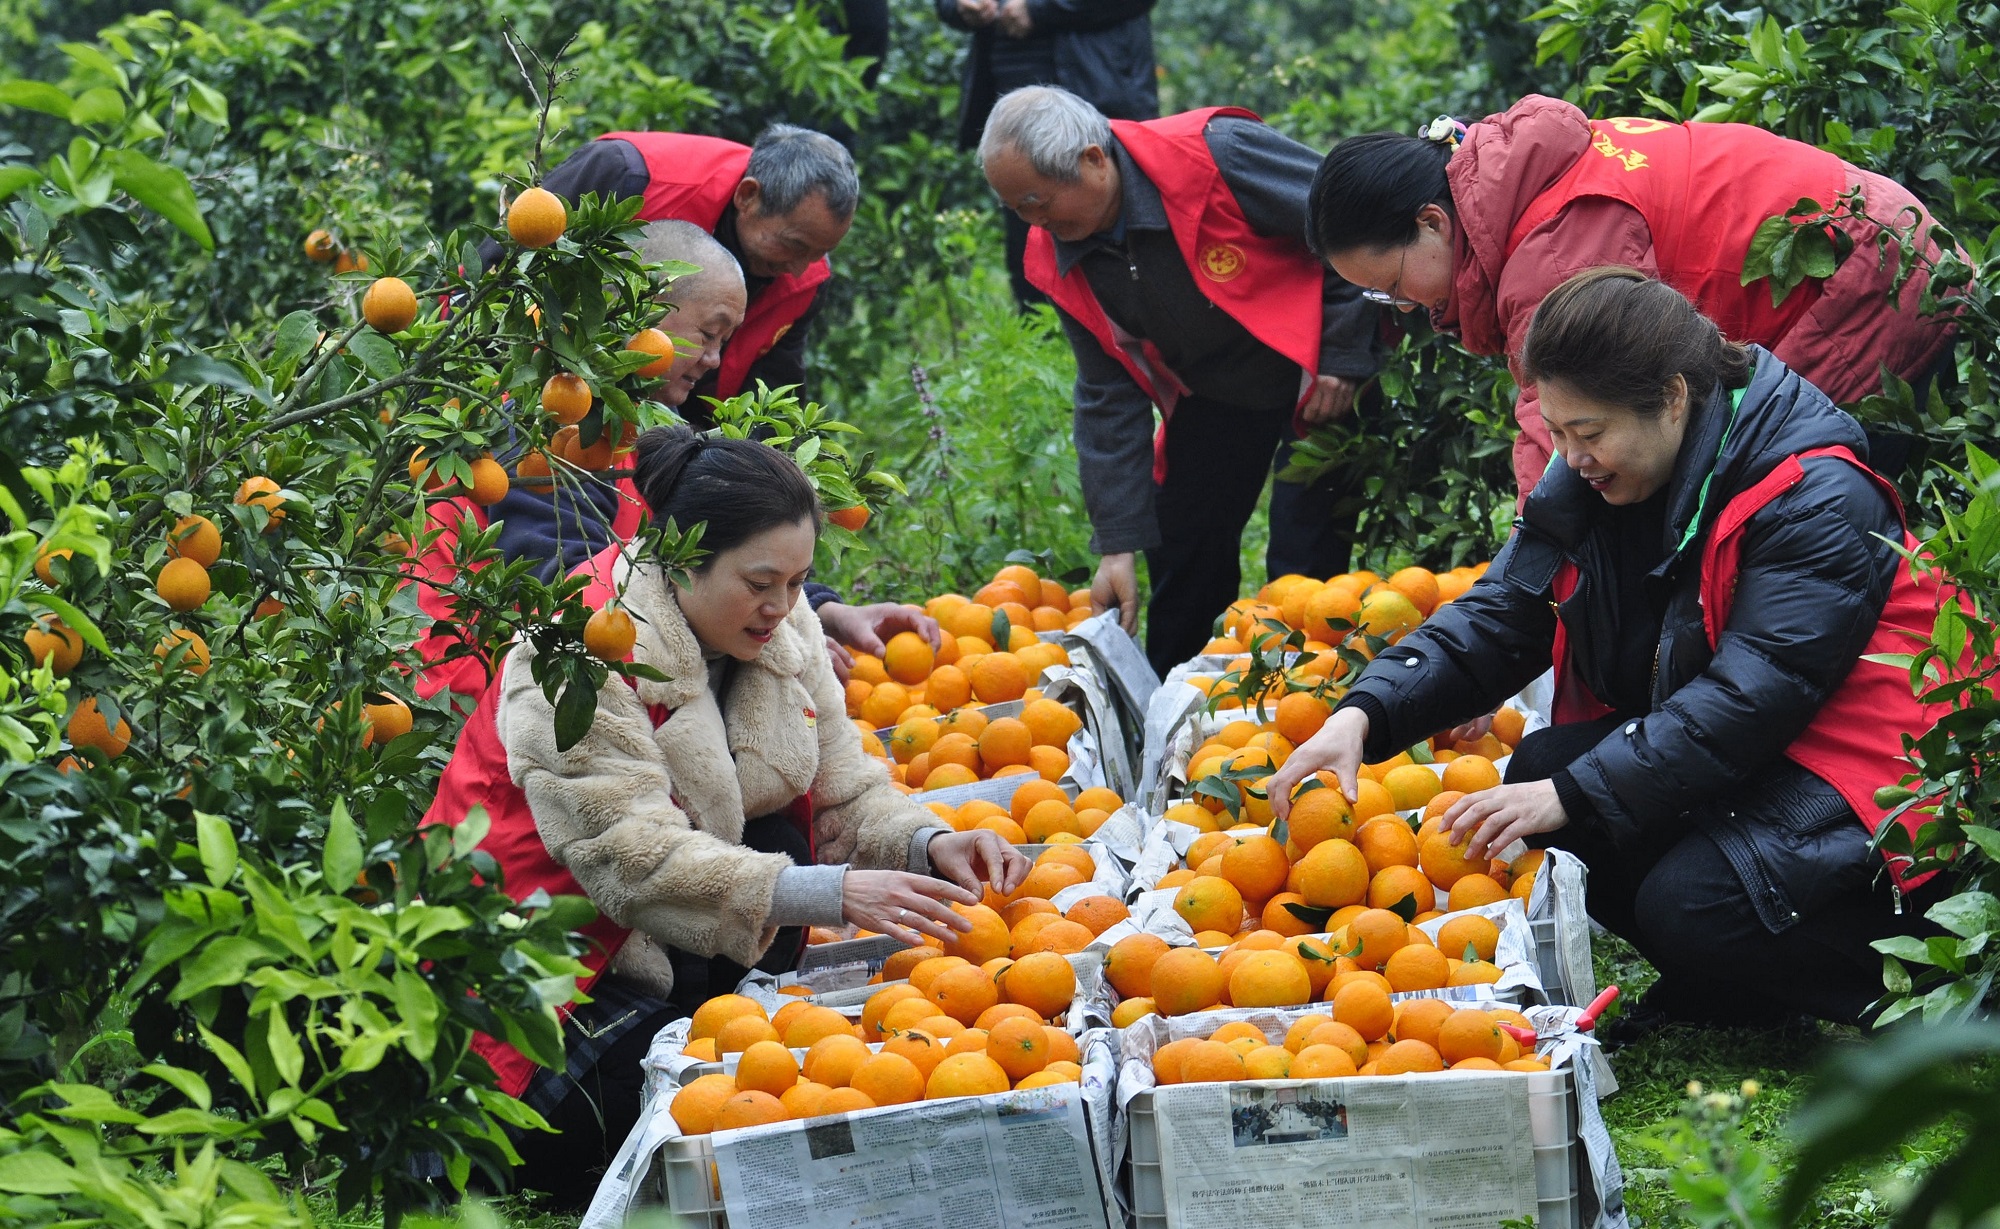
[1389, 297]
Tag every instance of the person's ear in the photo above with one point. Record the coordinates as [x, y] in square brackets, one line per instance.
[1093, 158]
[1677, 399]
[748, 195]
[1433, 217]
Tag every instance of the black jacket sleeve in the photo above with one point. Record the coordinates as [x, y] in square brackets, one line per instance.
[611, 169]
[1469, 656]
[1114, 447]
[1271, 176]
[1811, 587]
[785, 362]
[947, 12]
[1050, 16]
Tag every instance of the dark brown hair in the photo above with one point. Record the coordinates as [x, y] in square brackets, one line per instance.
[737, 489]
[1617, 336]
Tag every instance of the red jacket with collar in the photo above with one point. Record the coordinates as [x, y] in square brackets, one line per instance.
[1271, 285]
[692, 178]
[1541, 192]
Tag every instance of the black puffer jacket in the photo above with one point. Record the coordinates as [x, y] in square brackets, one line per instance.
[1102, 51]
[1815, 574]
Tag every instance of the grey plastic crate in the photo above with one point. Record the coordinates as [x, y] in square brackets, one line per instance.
[1552, 1119]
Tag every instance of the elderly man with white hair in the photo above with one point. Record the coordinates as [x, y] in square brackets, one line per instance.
[1174, 250]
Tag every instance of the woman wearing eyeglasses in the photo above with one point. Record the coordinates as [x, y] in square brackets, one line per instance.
[1476, 225]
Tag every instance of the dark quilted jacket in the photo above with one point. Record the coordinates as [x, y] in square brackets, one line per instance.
[1816, 571]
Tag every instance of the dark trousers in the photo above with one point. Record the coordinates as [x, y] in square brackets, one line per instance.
[593, 1103]
[1683, 905]
[1217, 459]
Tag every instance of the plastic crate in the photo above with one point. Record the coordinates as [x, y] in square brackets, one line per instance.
[1548, 961]
[1552, 1118]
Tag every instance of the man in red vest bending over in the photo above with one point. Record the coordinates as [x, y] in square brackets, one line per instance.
[1174, 250]
[778, 207]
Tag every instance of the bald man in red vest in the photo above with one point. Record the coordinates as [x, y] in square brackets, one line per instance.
[1174, 250]
[779, 207]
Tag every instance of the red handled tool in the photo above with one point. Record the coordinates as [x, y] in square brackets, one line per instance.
[1585, 1022]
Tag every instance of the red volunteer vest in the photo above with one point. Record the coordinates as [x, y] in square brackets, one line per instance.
[692, 179]
[1703, 189]
[477, 776]
[438, 566]
[1855, 741]
[1271, 285]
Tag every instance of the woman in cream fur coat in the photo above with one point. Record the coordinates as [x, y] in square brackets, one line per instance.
[710, 816]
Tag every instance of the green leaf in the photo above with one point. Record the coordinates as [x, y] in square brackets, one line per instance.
[418, 1008]
[36, 1173]
[576, 709]
[78, 622]
[466, 836]
[188, 1083]
[200, 370]
[36, 96]
[217, 843]
[1904, 947]
[1405, 908]
[231, 1058]
[1757, 261]
[341, 861]
[15, 178]
[377, 354]
[286, 1057]
[1967, 914]
[163, 189]
[102, 105]
[208, 103]
[222, 963]
[297, 333]
[1311, 915]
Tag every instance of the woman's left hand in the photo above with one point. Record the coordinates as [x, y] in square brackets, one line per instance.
[973, 859]
[1495, 818]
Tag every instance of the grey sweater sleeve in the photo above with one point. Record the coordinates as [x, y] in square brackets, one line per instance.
[809, 896]
[1271, 176]
[1114, 447]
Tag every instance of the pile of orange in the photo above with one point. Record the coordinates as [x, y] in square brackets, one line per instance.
[1040, 813]
[953, 1029]
[1023, 922]
[1365, 1037]
[926, 695]
[1365, 953]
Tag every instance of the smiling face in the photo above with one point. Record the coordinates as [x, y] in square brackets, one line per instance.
[704, 317]
[1624, 456]
[775, 243]
[1416, 274]
[735, 604]
[1069, 211]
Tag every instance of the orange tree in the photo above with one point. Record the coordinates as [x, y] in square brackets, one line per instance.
[225, 932]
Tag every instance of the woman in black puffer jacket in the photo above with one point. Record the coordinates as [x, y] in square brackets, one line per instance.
[1706, 561]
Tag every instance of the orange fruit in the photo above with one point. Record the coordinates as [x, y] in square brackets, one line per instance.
[386, 719]
[1411, 785]
[1474, 890]
[879, 1004]
[709, 1018]
[1374, 936]
[970, 1041]
[888, 1079]
[1269, 979]
[1098, 913]
[1475, 973]
[1210, 903]
[1050, 724]
[1257, 865]
[908, 658]
[803, 1100]
[183, 584]
[988, 937]
[966, 1075]
[656, 343]
[536, 218]
[389, 306]
[1445, 863]
[923, 1049]
[320, 247]
[1004, 741]
[1407, 1058]
[566, 398]
[609, 634]
[1167, 1060]
[1471, 773]
[1420, 1019]
[87, 728]
[196, 538]
[1474, 932]
[1032, 792]
[1341, 1037]
[52, 639]
[948, 688]
[1043, 982]
[833, 1060]
[1416, 966]
[845, 1101]
[1268, 1062]
[1420, 585]
[1186, 979]
[1386, 841]
[1319, 814]
[1128, 966]
[347, 261]
[1020, 1046]
[1280, 919]
[1330, 613]
[1300, 715]
[1386, 612]
[1131, 1011]
[1508, 726]
[998, 678]
[694, 1106]
[1322, 1062]
[1371, 799]
[749, 1109]
[741, 1032]
[1469, 1033]
[963, 992]
[1394, 884]
[1210, 1062]
[1333, 874]
[1002, 1011]
[767, 1066]
[1049, 763]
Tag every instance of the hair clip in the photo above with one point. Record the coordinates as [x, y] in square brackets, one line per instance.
[1444, 130]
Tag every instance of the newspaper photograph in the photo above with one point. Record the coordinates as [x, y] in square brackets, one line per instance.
[1019, 1158]
[1346, 1154]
